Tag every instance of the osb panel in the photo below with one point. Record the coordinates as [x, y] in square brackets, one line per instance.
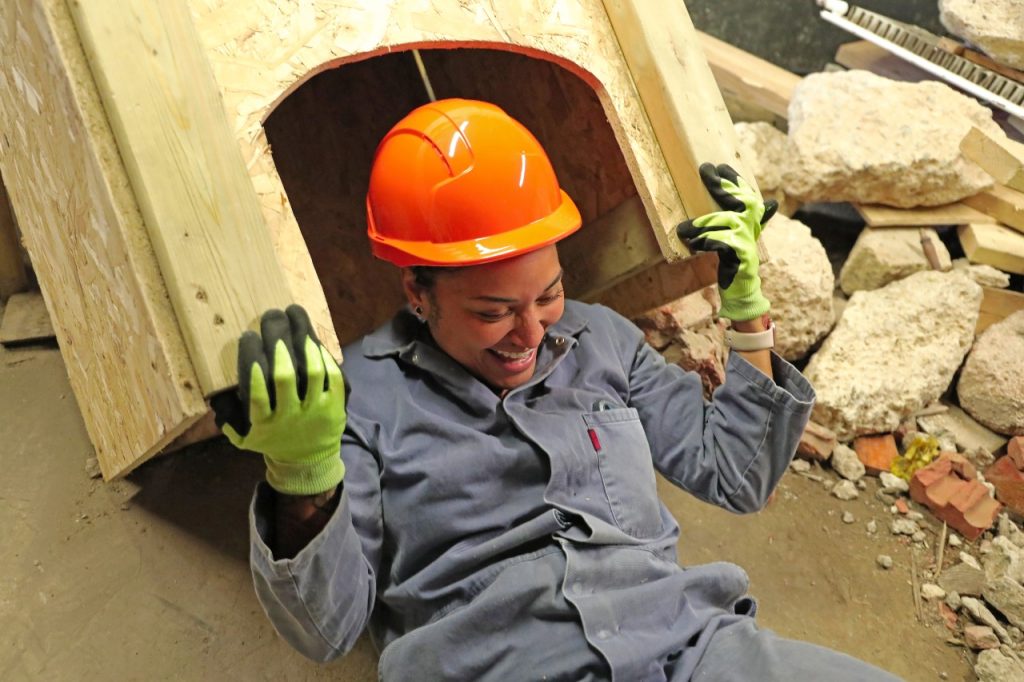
[261, 50]
[324, 135]
[124, 353]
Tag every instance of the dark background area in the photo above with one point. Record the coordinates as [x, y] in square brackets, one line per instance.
[791, 33]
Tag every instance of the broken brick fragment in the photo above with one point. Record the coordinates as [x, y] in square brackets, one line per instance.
[1015, 451]
[964, 503]
[876, 452]
[816, 443]
[901, 506]
[948, 616]
[1009, 483]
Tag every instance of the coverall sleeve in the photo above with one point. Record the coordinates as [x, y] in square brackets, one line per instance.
[731, 451]
[320, 601]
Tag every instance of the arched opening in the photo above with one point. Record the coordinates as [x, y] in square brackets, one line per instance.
[323, 136]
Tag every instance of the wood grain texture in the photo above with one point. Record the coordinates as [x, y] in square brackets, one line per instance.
[1002, 159]
[1002, 203]
[995, 245]
[187, 174]
[997, 305]
[950, 214]
[124, 353]
[747, 77]
[13, 275]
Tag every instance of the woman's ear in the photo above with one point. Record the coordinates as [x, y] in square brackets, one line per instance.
[414, 293]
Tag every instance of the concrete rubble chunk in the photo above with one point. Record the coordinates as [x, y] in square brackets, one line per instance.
[894, 351]
[1006, 596]
[845, 490]
[883, 255]
[991, 386]
[966, 431]
[985, 275]
[980, 613]
[995, 26]
[932, 592]
[846, 463]
[851, 140]
[995, 666]
[904, 527]
[1004, 559]
[963, 579]
[1010, 530]
[763, 147]
[893, 484]
[884, 561]
[799, 282]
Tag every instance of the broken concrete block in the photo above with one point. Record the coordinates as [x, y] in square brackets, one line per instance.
[932, 592]
[845, 490]
[846, 463]
[980, 637]
[798, 280]
[926, 320]
[883, 255]
[1009, 483]
[876, 453]
[985, 275]
[995, 666]
[763, 148]
[980, 613]
[851, 140]
[1006, 596]
[1004, 559]
[963, 579]
[966, 431]
[991, 386]
[817, 442]
[995, 26]
[892, 484]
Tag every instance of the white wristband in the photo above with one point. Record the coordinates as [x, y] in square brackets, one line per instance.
[747, 341]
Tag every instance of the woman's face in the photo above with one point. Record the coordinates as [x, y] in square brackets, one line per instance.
[492, 318]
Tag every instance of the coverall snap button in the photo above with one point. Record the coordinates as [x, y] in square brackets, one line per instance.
[559, 340]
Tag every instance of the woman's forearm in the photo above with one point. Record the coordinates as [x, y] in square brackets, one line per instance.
[762, 359]
[299, 518]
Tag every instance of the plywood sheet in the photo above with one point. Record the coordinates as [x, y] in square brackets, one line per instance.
[1003, 159]
[950, 214]
[995, 245]
[134, 382]
[13, 276]
[1001, 203]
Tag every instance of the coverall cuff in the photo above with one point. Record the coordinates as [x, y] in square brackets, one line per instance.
[789, 389]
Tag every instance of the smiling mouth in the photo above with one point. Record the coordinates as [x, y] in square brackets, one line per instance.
[514, 362]
[507, 355]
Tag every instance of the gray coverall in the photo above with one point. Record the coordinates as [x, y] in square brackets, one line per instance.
[521, 537]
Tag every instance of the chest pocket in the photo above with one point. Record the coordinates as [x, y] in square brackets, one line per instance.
[627, 472]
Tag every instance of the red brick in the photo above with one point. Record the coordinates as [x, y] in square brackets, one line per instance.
[1015, 450]
[1009, 483]
[876, 452]
[961, 465]
[901, 505]
[963, 503]
[971, 511]
[816, 443]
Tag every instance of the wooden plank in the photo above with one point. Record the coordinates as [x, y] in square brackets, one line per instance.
[25, 320]
[13, 276]
[995, 245]
[749, 78]
[950, 214]
[660, 284]
[196, 197]
[125, 357]
[680, 97]
[1002, 159]
[865, 55]
[1002, 203]
[997, 305]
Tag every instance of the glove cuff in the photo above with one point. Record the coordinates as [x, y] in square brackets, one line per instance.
[320, 472]
[744, 306]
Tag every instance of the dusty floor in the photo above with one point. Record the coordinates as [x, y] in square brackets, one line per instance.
[147, 578]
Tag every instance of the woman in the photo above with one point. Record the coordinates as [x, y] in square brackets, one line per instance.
[493, 512]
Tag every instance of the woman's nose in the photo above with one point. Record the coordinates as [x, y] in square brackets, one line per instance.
[529, 329]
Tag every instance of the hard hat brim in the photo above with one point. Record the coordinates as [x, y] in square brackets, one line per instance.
[561, 223]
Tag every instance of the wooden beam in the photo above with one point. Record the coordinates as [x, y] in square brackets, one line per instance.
[1003, 159]
[997, 305]
[681, 99]
[995, 245]
[865, 55]
[660, 284]
[749, 78]
[124, 353]
[13, 276]
[196, 197]
[950, 214]
[1002, 203]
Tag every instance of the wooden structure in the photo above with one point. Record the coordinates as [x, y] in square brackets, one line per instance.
[178, 167]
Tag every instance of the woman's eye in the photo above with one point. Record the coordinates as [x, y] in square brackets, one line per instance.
[491, 317]
[548, 300]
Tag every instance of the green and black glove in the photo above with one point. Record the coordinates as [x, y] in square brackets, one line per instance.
[289, 406]
[732, 234]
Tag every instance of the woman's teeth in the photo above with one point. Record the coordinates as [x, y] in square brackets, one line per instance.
[514, 356]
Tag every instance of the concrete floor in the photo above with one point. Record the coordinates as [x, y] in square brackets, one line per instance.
[147, 578]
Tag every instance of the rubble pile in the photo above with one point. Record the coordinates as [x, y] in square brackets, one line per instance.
[916, 355]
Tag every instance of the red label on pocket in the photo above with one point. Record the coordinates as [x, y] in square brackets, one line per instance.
[595, 441]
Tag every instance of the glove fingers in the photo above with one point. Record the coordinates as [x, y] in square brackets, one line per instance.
[727, 172]
[334, 381]
[712, 179]
[315, 372]
[250, 357]
[689, 229]
[230, 413]
[301, 328]
[770, 207]
[277, 345]
[728, 260]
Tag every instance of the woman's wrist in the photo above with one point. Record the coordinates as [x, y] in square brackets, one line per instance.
[758, 324]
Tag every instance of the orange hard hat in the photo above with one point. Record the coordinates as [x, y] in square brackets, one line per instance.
[460, 182]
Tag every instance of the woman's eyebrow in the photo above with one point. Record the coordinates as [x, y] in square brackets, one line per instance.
[500, 299]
